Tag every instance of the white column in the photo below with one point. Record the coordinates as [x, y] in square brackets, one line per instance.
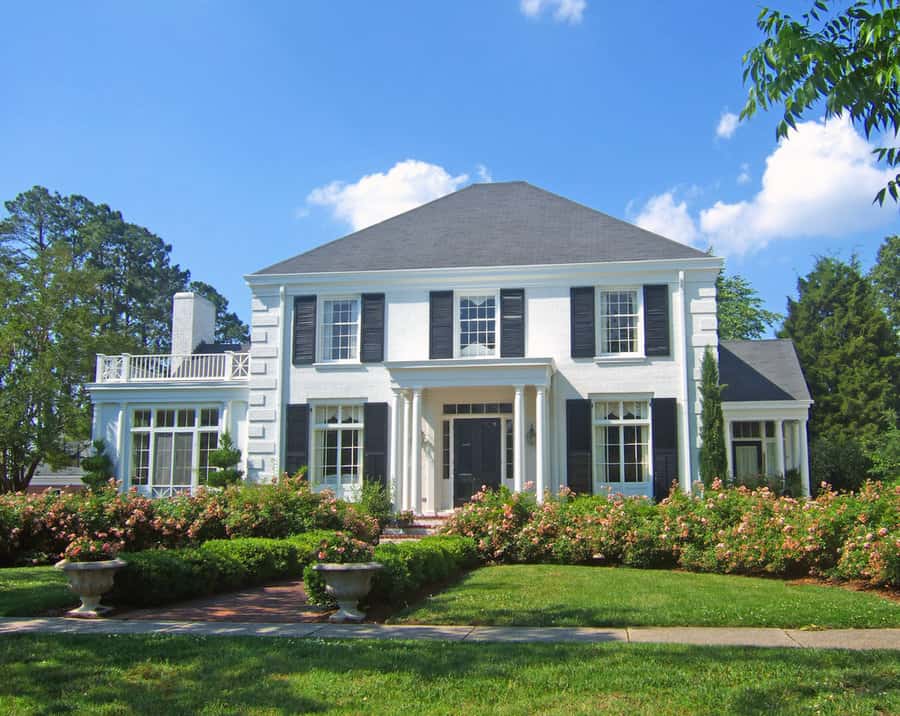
[728, 450]
[804, 460]
[394, 453]
[415, 453]
[405, 500]
[540, 409]
[779, 446]
[518, 438]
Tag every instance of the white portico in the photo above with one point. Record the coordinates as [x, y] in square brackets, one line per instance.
[463, 423]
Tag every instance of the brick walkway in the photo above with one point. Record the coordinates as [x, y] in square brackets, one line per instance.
[276, 603]
[857, 639]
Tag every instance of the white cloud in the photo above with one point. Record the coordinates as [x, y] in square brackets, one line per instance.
[663, 216]
[820, 181]
[570, 11]
[484, 174]
[728, 124]
[379, 196]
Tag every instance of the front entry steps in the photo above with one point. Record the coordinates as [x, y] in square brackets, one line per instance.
[422, 526]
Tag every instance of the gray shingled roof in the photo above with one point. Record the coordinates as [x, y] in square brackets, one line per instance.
[499, 224]
[761, 370]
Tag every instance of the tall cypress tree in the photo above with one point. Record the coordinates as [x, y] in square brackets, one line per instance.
[848, 351]
[713, 461]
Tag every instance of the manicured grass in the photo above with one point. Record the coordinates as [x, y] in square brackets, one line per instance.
[219, 675]
[33, 591]
[549, 595]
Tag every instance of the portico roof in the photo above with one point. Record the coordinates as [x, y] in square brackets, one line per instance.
[471, 372]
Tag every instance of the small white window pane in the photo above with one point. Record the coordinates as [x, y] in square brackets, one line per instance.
[162, 459]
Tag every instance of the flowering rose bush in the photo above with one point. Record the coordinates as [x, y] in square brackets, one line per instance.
[849, 536]
[37, 528]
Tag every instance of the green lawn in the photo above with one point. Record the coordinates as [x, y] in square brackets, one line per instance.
[32, 591]
[548, 595]
[219, 675]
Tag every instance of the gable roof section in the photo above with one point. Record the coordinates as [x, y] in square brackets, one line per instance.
[498, 224]
[761, 370]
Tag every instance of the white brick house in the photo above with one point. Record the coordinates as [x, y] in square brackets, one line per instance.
[498, 335]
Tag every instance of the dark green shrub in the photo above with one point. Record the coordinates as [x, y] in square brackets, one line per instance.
[98, 468]
[375, 501]
[838, 460]
[226, 458]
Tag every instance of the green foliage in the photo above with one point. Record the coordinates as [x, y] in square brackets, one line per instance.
[884, 455]
[226, 457]
[375, 501]
[739, 310]
[75, 279]
[713, 461]
[155, 577]
[849, 354]
[885, 277]
[98, 468]
[845, 58]
[407, 568]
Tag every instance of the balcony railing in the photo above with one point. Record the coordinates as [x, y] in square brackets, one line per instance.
[128, 368]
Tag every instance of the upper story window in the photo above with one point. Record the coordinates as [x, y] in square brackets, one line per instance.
[339, 329]
[620, 317]
[477, 325]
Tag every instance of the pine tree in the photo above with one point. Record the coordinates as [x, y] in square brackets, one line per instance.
[713, 461]
[848, 351]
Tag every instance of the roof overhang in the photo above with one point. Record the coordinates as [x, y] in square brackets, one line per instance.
[471, 372]
[186, 391]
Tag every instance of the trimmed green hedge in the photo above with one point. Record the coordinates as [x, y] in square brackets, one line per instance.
[159, 576]
[408, 566]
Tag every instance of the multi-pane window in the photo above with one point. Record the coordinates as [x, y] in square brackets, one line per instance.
[621, 441]
[339, 330]
[338, 444]
[754, 448]
[619, 319]
[169, 450]
[477, 325]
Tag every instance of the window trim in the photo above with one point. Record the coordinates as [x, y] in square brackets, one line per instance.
[621, 398]
[599, 328]
[320, 329]
[458, 296]
[153, 429]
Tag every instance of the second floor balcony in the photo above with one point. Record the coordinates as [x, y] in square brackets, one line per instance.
[127, 368]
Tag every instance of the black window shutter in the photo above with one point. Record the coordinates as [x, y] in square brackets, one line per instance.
[512, 323]
[304, 330]
[296, 453]
[440, 334]
[583, 331]
[665, 446]
[656, 320]
[375, 442]
[578, 446]
[372, 348]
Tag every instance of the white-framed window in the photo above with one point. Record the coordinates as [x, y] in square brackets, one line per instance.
[754, 448]
[339, 328]
[338, 447]
[476, 331]
[619, 311]
[621, 441]
[170, 447]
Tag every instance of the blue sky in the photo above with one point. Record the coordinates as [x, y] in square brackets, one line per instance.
[241, 133]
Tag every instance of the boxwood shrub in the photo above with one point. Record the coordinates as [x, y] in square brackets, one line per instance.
[408, 567]
[158, 576]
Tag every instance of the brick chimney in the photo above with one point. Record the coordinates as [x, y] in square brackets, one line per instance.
[193, 322]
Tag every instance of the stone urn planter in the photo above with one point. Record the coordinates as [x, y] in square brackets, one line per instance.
[90, 581]
[347, 584]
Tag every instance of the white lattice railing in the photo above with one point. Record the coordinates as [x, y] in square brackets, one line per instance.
[128, 368]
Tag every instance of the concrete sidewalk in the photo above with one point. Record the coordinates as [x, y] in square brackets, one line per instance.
[704, 636]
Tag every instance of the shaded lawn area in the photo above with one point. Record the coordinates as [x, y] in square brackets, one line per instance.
[549, 595]
[32, 591]
[224, 675]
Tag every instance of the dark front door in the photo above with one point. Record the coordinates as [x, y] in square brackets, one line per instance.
[476, 457]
